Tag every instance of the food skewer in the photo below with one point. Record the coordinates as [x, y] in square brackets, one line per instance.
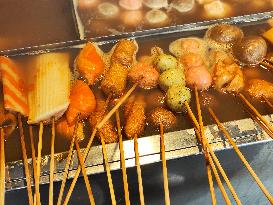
[86, 180]
[52, 161]
[2, 168]
[164, 166]
[67, 164]
[253, 109]
[122, 159]
[39, 155]
[241, 156]
[211, 152]
[34, 164]
[24, 153]
[108, 171]
[139, 175]
[268, 102]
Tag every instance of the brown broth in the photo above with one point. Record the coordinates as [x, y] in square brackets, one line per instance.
[27, 23]
[97, 25]
[226, 106]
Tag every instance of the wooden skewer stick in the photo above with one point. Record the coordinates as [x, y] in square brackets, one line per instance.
[86, 180]
[212, 191]
[39, 155]
[67, 164]
[120, 102]
[2, 168]
[122, 159]
[205, 142]
[87, 149]
[241, 156]
[24, 153]
[164, 166]
[268, 102]
[34, 164]
[139, 176]
[108, 171]
[253, 109]
[266, 65]
[52, 162]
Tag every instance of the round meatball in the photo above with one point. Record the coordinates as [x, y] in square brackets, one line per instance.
[223, 35]
[171, 77]
[161, 115]
[165, 62]
[250, 50]
[176, 96]
[199, 77]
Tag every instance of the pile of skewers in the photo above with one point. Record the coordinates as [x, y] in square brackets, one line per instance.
[48, 99]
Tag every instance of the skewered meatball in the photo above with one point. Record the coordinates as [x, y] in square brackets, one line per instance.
[171, 77]
[176, 96]
[250, 50]
[260, 88]
[108, 130]
[223, 36]
[145, 75]
[161, 115]
[135, 117]
[199, 77]
[82, 101]
[165, 62]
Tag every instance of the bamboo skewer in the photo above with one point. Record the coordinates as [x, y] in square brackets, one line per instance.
[52, 161]
[86, 180]
[108, 171]
[122, 159]
[67, 164]
[241, 156]
[24, 153]
[268, 102]
[2, 168]
[164, 166]
[253, 109]
[266, 65]
[39, 155]
[210, 180]
[34, 164]
[211, 152]
[122, 100]
[139, 176]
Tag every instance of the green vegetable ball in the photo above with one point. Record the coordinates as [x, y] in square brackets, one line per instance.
[171, 77]
[165, 62]
[177, 95]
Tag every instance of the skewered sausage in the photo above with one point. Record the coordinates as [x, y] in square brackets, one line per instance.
[82, 101]
[108, 130]
[135, 117]
[122, 58]
[161, 115]
[89, 63]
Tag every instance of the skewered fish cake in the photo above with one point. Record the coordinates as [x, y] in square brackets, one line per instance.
[49, 94]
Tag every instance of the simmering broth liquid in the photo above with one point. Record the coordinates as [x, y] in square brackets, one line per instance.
[226, 106]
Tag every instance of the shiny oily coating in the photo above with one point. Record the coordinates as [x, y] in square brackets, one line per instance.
[251, 50]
